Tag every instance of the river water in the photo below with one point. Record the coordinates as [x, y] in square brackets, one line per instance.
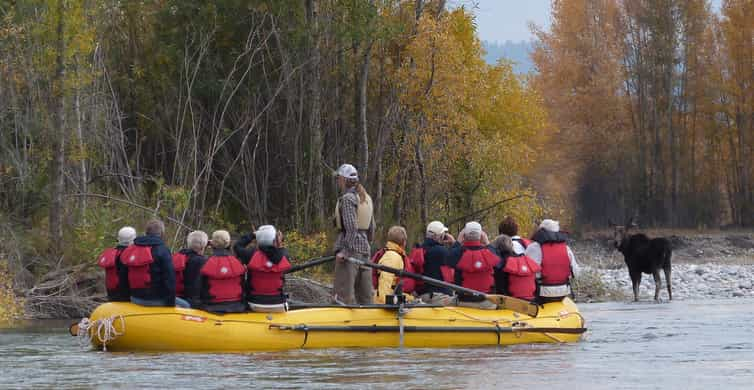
[678, 345]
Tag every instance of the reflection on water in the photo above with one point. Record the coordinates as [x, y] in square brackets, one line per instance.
[678, 345]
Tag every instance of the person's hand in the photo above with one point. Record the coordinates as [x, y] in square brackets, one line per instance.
[340, 257]
[484, 239]
[461, 237]
[448, 239]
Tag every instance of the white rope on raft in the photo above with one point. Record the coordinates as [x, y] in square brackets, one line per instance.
[103, 329]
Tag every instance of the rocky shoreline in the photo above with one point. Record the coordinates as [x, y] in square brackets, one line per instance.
[689, 281]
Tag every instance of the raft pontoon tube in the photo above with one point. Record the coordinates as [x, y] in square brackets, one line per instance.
[129, 327]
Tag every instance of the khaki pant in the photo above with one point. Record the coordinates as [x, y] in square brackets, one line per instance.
[353, 284]
[438, 299]
[486, 305]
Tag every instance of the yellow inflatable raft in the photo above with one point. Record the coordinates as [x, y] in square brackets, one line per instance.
[129, 327]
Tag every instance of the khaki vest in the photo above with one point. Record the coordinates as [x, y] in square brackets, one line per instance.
[363, 214]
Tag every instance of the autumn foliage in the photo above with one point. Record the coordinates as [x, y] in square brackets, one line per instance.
[653, 105]
[232, 114]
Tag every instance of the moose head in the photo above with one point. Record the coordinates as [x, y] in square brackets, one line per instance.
[621, 232]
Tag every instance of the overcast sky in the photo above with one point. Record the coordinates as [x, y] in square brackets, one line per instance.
[502, 20]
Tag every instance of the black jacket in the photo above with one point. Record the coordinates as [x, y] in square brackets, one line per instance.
[163, 273]
[122, 293]
[543, 236]
[192, 277]
[435, 256]
[501, 278]
[239, 248]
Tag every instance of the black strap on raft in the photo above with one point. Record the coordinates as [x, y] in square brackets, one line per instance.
[424, 329]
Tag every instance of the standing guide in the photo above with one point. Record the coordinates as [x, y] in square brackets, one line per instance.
[354, 220]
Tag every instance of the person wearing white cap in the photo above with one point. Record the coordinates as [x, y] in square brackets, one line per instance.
[266, 267]
[555, 257]
[355, 223]
[474, 264]
[222, 278]
[429, 259]
[116, 274]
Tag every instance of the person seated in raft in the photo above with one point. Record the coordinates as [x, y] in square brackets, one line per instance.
[429, 259]
[222, 278]
[393, 255]
[474, 265]
[196, 243]
[116, 274]
[150, 273]
[509, 227]
[266, 268]
[558, 263]
[516, 274]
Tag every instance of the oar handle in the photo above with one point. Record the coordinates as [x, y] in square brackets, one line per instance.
[311, 263]
[425, 279]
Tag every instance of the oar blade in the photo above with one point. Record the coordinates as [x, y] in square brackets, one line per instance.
[515, 304]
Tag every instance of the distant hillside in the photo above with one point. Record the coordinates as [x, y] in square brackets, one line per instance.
[518, 52]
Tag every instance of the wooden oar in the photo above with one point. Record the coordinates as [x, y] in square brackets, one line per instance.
[503, 301]
[311, 263]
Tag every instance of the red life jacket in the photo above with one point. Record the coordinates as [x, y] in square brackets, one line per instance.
[409, 284]
[224, 274]
[266, 277]
[521, 272]
[139, 261]
[556, 266]
[107, 260]
[477, 266]
[179, 263]
[416, 258]
[448, 273]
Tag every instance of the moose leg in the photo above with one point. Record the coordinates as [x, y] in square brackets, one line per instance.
[667, 281]
[635, 282]
[658, 284]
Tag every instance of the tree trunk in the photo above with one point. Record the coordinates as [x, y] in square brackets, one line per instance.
[57, 165]
[362, 112]
[315, 120]
[423, 205]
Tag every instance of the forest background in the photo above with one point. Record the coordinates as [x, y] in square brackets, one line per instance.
[233, 114]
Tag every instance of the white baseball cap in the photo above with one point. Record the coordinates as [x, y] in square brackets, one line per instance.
[265, 235]
[348, 171]
[436, 228]
[472, 227]
[126, 235]
[550, 225]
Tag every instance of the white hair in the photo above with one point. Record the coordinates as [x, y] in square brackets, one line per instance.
[220, 239]
[197, 240]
